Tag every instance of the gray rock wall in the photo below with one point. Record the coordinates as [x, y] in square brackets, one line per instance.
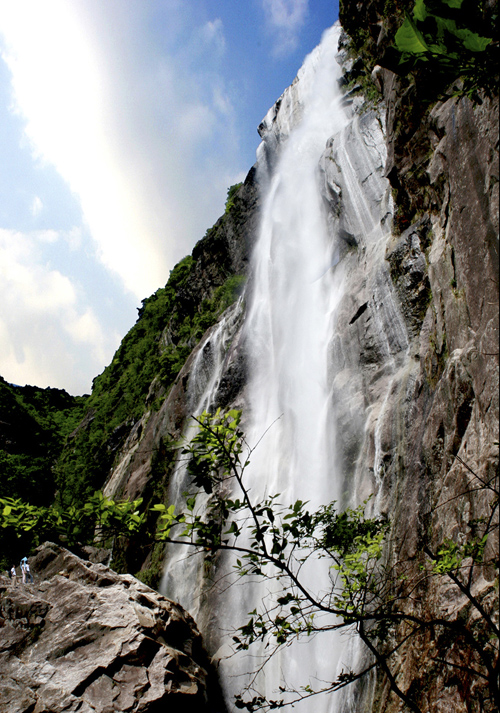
[444, 429]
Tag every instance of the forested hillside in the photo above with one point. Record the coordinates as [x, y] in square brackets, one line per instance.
[34, 426]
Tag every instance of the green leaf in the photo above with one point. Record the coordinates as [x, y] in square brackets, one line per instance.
[475, 43]
[232, 529]
[453, 3]
[410, 39]
[471, 40]
[420, 11]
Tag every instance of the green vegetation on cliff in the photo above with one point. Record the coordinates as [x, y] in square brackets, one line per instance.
[168, 328]
[170, 324]
[447, 36]
[432, 42]
[34, 425]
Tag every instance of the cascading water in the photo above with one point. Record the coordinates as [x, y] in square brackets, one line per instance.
[294, 297]
[288, 327]
[183, 575]
[302, 370]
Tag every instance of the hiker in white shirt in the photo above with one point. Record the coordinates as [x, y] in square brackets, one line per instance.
[25, 569]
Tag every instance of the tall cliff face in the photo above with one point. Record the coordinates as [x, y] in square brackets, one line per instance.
[440, 420]
[445, 271]
[410, 194]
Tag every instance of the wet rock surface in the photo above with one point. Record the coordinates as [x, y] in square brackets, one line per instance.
[430, 430]
[83, 638]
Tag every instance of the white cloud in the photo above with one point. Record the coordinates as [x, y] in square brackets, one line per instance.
[222, 102]
[47, 236]
[74, 238]
[85, 329]
[24, 281]
[285, 19]
[40, 306]
[212, 33]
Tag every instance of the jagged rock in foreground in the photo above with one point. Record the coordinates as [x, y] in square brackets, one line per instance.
[83, 638]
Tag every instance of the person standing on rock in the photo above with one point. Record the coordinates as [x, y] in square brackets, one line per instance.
[13, 575]
[27, 571]
[23, 571]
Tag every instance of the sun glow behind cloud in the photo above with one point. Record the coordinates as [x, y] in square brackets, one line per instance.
[146, 142]
[58, 90]
[128, 150]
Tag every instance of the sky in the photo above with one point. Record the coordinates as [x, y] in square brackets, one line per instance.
[123, 123]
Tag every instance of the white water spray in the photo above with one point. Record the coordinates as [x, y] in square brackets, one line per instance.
[183, 575]
[295, 352]
[289, 324]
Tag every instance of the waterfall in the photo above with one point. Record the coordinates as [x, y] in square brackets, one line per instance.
[289, 324]
[294, 297]
[325, 221]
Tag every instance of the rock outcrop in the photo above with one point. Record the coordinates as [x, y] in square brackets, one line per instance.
[83, 638]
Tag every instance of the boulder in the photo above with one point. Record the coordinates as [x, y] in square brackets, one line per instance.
[83, 638]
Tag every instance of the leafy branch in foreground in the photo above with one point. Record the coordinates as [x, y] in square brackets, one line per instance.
[366, 592]
[97, 521]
